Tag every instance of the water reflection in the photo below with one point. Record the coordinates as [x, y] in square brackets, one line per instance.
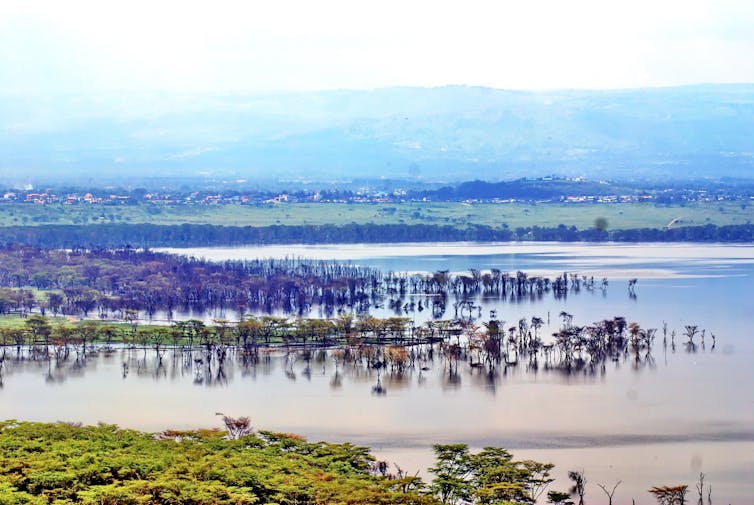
[421, 296]
[484, 361]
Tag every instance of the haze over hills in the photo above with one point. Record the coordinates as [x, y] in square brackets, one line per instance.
[436, 134]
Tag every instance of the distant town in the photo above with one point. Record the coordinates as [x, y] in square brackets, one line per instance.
[540, 190]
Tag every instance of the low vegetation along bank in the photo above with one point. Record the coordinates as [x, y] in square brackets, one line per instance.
[197, 235]
[63, 463]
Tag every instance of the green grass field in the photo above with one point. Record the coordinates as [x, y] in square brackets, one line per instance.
[15, 321]
[619, 216]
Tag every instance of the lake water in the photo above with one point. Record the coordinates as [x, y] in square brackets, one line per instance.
[660, 420]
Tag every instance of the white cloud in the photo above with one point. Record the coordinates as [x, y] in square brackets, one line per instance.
[191, 153]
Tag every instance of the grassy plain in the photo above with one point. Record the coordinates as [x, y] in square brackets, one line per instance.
[15, 321]
[583, 215]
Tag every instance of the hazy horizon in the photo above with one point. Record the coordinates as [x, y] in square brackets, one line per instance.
[439, 133]
[458, 91]
[84, 46]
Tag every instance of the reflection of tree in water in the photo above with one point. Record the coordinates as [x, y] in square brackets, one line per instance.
[395, 380]
[336, 381]
[378, 389]
[486, 378]
[60, 367]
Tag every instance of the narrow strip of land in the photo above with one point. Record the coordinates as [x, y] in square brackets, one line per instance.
[455, 214]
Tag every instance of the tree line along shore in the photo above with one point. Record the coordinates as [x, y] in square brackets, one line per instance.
[205, 235]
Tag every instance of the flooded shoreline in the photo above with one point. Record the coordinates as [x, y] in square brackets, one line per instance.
[659, 420]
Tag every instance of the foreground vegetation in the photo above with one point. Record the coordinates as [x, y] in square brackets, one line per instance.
[63, 463]
[60, 463]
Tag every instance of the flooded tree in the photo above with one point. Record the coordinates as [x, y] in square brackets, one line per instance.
[579, 484]
[127, 282]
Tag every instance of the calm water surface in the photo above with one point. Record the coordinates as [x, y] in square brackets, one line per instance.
[661, 420]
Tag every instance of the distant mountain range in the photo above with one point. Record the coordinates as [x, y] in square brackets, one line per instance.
[436, 134]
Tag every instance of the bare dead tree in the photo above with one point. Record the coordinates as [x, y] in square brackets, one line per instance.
[610, 493]
[700, 490]
[691, 331]
[236, 427]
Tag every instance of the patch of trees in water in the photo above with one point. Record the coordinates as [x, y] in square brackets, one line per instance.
[385, 352]
[198, 235]
[124, 281]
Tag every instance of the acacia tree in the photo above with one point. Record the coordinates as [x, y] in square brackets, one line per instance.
[670, 495]
[158, 338]
[318, 329]
[559, 498]
[62, 337]
[88, 332]
[489, 477]
[273, 326]
[396, 326]
[452, 470]
[538, 477]
[497, 478]
[108, 332]
[249, 329]
[39, 327]
[222, 328]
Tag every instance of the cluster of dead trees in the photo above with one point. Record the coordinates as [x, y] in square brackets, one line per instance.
[109, 283]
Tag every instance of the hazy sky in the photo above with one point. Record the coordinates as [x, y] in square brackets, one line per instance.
[321, 44]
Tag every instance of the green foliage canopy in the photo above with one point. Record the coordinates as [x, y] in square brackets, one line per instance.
[61, 463]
